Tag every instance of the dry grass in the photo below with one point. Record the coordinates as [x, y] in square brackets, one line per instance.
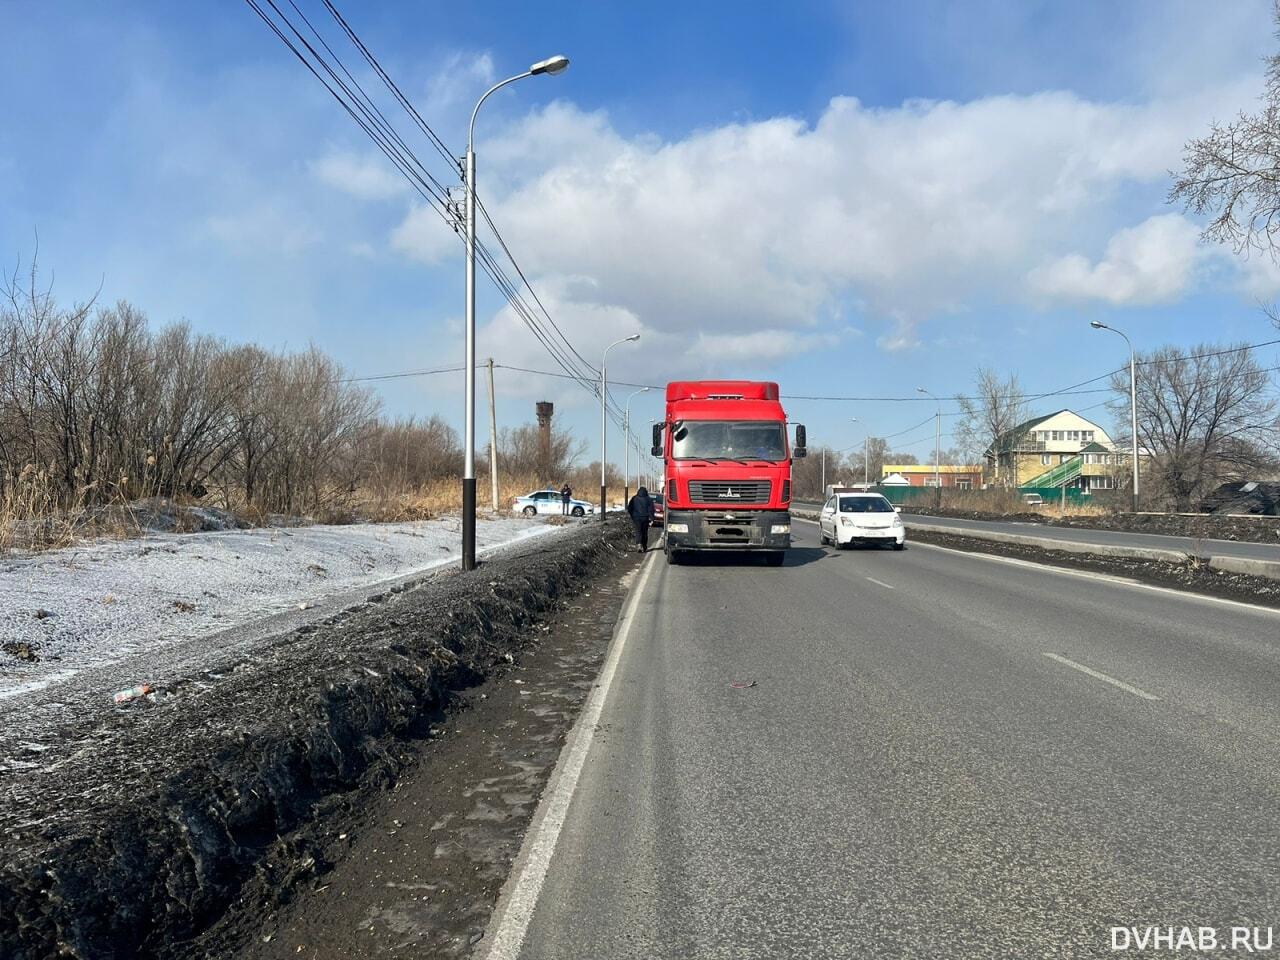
[1010, 501]
[444, 497]
[32, 520]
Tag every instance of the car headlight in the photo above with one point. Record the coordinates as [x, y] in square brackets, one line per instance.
[846, 522]
[897, 521]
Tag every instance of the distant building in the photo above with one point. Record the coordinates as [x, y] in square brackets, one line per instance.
[926, 475]
[1061, 449]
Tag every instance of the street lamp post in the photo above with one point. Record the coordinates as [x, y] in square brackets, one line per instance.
[937, 444]
[626, 440]
[604, 403]
[551, 66]
[1133, 404]
[866, 470]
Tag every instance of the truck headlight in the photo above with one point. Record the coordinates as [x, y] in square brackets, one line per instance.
[677, 528]
[780, 528]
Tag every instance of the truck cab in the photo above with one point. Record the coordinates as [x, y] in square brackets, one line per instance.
[727, 459]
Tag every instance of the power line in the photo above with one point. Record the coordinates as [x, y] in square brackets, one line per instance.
[360, 107]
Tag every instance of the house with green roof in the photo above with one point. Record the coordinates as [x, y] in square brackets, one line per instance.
[1061, 449]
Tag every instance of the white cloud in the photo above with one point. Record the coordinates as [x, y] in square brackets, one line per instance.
[424, 235]
[1151, 263]
[1259, 276]
[762, 345]
[457, 82]
[266, 231]
[370, 177]
[901, 338]
[902, 216]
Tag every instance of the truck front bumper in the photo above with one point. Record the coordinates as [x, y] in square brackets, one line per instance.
[727, 530]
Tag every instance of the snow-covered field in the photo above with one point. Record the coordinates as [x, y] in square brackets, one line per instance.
[90, 607]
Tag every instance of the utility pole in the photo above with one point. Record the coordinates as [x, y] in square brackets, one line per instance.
[493, 439]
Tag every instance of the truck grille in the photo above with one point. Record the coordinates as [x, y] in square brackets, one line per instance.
[720, 492]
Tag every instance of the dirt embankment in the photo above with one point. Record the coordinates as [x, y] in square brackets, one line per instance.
[135, 846]
[1252, 529]
[1190, 573]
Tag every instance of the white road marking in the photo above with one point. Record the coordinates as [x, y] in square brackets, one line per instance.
[1108, 578]
[880, 583]
[520, 893]
[1103, 677]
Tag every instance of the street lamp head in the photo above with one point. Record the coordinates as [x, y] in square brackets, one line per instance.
[1098, 325]
[552, 66]
[634, 337]
[921, 390]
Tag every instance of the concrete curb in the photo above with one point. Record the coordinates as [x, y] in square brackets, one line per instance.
[1254, 568]
[1066, 546]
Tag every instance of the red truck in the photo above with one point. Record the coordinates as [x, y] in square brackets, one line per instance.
[728, 468]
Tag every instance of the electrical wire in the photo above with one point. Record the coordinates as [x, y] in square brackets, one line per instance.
[360, 107]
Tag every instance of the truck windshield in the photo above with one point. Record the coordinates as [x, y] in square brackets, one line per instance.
[728, 440]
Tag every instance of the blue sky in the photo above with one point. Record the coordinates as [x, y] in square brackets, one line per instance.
[853, 199]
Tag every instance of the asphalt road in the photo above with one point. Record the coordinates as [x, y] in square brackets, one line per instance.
[1221, 548]
[918, 754]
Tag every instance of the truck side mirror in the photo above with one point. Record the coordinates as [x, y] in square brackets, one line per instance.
[799, 450]
[656, 449]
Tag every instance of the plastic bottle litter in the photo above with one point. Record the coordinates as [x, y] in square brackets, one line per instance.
[133, 693]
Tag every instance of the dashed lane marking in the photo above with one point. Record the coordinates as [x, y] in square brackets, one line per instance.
[1128, 688]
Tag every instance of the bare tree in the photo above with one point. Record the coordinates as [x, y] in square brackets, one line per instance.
[1230, 174]
[406, 454]
[519, 452]
[1202, 418]
[989, 417]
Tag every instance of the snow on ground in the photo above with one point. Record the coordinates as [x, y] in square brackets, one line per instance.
[91, 606]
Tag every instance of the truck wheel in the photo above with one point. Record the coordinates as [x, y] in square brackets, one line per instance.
[673, 558]
[774, 559]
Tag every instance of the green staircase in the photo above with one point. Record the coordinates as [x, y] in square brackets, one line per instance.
[1062, 473]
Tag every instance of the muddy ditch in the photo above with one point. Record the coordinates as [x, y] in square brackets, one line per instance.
[135, 844]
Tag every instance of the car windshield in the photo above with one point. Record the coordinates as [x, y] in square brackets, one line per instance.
[728, 440]
[865, 505]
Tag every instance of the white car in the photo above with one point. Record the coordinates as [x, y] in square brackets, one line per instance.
[548, 502]
[848, 518]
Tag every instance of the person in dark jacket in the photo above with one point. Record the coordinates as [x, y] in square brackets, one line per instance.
[641, 509]
[566, 494]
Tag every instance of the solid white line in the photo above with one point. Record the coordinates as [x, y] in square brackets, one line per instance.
[880, 583]
[520, 893]
[1045, 567]
[1103, 677]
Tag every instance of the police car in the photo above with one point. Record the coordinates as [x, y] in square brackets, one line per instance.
[548, 502]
